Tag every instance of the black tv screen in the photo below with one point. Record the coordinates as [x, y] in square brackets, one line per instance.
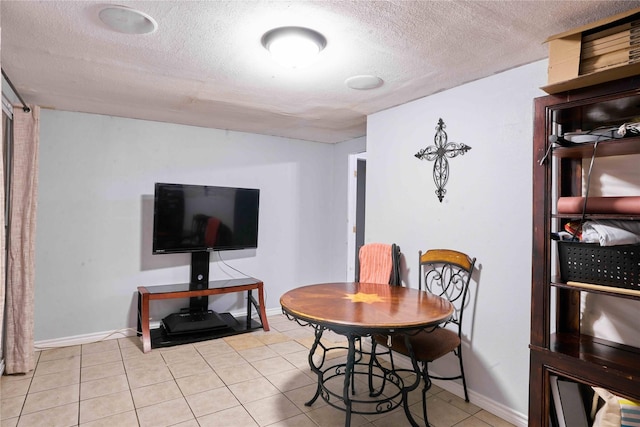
[196, 218]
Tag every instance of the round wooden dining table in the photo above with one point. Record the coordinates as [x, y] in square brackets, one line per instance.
[357, 310]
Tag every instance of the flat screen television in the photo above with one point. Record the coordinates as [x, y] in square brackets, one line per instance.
[200, 218]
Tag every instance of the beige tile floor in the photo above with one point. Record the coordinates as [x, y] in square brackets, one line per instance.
[256, 379]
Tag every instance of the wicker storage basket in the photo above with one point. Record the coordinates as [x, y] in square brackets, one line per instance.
[617, 266]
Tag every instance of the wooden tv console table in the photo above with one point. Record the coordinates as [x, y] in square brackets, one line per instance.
[155, 338]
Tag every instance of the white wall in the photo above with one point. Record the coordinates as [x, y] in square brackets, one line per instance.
[95, 215]
[486, 212]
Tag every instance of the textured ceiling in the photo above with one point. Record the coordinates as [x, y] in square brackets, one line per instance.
[205, 66]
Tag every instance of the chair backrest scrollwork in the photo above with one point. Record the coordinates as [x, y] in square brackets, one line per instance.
[447, 273]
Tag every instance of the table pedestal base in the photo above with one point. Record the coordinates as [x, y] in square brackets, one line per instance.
[337, 382]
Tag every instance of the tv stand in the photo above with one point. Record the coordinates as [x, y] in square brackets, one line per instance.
[160, 338]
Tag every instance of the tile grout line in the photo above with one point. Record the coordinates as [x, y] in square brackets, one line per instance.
[227, 386]
[24, 402]
[80, 384]
[135, 410]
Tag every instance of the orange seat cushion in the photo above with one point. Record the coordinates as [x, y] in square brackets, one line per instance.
[427, 346]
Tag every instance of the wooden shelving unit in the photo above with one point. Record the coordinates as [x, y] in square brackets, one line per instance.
[562, 349]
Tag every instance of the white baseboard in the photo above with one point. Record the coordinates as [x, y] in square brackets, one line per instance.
[120, 333]
[83, 339]
[498, 409]
[273, 311]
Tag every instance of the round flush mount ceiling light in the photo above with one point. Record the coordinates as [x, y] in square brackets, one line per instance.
[293, 47]
[364, 82]
[126, 20]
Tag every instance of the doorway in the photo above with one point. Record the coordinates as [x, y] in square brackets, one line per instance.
[357, 202]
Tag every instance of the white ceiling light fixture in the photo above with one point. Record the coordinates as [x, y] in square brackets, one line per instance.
[126, 20]
[294, 47]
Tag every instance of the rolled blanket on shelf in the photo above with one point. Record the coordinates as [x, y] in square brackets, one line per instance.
[611, 232]
[629, 205]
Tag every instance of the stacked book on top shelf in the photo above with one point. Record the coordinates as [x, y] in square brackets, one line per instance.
[599, 52]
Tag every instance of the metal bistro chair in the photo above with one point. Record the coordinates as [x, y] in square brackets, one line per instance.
[446, 273]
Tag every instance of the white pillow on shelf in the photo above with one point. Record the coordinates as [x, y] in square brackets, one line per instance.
[609, 414]
[615, 410]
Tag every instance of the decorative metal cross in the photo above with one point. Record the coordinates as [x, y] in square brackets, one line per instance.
[440, 151]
